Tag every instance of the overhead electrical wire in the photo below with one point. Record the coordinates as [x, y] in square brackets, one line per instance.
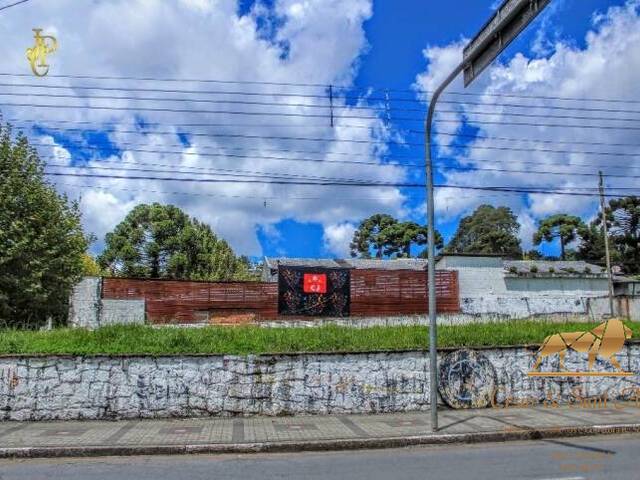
[289, 179]
[303, 115]
[343, 140]
[344, 184]
[278, 113]
[13, 4]
[385, 107]
[321, 85]
[141, 166]
[30, 124]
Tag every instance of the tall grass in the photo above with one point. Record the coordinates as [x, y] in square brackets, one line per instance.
[136, 339]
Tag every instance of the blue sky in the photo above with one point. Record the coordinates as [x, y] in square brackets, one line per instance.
[576, 48]
[397, 34]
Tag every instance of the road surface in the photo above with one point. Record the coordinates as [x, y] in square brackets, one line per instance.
[593, 458]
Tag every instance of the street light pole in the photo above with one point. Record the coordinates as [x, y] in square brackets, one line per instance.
[509, 19]
[431, 249]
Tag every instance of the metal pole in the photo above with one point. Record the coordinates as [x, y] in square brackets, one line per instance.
[431, 249]
[606, 243]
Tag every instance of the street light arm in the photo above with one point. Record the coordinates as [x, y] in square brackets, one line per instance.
[431, 249]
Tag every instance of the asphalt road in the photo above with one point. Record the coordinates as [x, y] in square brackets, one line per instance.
[604, 457]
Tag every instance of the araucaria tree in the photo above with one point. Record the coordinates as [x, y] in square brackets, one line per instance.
[488, 230]
[369, 236]
[161, 241]
[561, 226]
[41, 239]
[399, 237]
[623, 222]
[387, 237]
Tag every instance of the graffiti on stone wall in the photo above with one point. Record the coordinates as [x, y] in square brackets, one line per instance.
[9, 379]
[467, 380]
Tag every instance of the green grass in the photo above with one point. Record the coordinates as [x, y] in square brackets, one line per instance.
[254, 340]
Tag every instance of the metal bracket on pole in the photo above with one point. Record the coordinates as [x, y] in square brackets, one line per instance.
[331, 102]
[431, 249]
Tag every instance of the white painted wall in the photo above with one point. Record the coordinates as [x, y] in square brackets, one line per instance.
[487, 289]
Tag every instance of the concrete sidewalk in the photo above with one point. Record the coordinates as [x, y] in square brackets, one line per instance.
[332, 432]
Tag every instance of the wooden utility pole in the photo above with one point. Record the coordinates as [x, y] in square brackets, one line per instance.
[606, 243]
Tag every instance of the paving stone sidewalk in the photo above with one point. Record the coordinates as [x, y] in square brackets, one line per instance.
[211, 434]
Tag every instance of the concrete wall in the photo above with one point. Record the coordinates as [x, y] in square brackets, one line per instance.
[87, 308]
[487, 290]
[555, 286]
[84, 303]
[100, 387]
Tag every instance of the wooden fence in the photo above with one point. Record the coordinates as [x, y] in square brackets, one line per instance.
[373, 293]
[401, 292]
[176, 301]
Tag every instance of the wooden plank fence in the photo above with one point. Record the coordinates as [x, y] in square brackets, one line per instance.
[401, 292]
[373, 293]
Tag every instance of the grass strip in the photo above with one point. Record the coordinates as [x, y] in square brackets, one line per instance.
[243, 340]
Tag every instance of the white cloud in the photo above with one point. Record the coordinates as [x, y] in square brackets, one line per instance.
[312, 41]
[607, 67]
[337, 238]
[527, 228]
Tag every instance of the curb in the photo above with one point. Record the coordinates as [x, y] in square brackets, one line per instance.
[514, 434]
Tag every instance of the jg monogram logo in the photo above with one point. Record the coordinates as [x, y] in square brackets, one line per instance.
[37, 55]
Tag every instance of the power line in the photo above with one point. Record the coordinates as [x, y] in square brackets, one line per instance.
[380, 108]
[219, 172]
[302, 115]
[140, 167]
[298, 105]
[228, 155]
[203, 194]
[340, 140]
[324, 86]
[343, 184]
[28, 123]
[13, 4]
[531, 140]
[535, 172]
[396, 159]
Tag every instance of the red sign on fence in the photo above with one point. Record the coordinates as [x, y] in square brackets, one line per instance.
[315, 283]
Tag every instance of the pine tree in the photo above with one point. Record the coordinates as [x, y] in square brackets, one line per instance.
[41, 239]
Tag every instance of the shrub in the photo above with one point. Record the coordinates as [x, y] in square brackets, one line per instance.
[533, 269]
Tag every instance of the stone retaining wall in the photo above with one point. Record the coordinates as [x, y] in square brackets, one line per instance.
[101, 387]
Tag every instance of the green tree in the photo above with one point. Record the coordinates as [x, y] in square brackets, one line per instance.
[561, 226]
[90, 267]
[368, 236]
[591, 248]
[399, 237]
[623, 223]
[488, 230]
[41, 239]
[161, 241]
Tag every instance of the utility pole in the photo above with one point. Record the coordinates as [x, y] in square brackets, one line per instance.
[606, 243]
[509, 19]
[431, 250]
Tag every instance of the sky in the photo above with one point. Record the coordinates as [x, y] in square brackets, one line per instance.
[338, 92]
